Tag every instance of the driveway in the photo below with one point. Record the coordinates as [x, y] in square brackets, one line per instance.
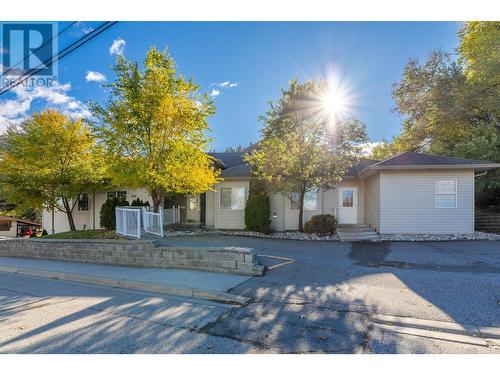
[320, 296]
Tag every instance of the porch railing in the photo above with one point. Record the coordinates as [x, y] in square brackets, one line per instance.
[153, 221]
[128, 221]
[172, 215]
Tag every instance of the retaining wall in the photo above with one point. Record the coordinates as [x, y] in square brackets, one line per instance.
[137, 253]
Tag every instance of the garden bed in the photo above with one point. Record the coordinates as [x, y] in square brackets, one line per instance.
[95, 234]
[440, 237]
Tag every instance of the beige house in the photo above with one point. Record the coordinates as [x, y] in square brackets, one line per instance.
[12, 227]
[410, 193]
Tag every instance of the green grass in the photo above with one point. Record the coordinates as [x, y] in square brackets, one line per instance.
[85, 234]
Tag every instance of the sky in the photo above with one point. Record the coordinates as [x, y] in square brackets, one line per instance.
[243, 65]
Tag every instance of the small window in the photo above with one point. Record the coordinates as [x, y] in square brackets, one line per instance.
[347, 198]
[119, 193]
[232, 198]
[83, 202]
[310, 200]
[5, 225]
[446, 193]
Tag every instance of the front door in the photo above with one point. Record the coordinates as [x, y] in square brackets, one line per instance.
[193, 209]
[348, 205]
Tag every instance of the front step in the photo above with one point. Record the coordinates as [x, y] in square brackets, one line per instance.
[357, 232]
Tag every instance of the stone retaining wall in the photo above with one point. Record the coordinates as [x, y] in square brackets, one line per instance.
[139, 253]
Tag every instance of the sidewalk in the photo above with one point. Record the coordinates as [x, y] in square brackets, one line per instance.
[186, 283]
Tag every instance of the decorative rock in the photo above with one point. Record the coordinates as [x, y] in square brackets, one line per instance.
[277, 235]
[441, 237]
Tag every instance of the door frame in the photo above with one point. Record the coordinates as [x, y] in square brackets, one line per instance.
[354, 203]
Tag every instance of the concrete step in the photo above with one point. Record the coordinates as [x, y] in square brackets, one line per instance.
[353, 226]
[356, 230]
[363, 236]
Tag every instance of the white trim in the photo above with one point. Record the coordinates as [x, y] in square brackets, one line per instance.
[436, 194]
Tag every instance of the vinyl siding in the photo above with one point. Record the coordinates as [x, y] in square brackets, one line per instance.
[85, 219]
[408, 203]
[277, 206]
[372, 199]
[12, 232]
[228, 218]
[210, 209]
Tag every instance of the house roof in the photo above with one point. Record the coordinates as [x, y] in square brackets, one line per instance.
[12, 218]
[229, 159]
[234, 165]
[417, 160]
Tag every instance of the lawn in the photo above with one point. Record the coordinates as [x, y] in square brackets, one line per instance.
[85, 234]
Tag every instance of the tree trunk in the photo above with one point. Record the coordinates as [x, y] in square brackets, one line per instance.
[301, 209]
[69, 214]
[157, 198]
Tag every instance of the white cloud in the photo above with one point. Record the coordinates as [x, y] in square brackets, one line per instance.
[225, 84]
[368, 147]
[215, 93]
[95, 76]
[56, 96]
[117, 47]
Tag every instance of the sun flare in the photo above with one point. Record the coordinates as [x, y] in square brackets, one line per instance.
[334, 103]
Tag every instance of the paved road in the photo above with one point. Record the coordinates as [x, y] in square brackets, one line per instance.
[324, 299]
[317, 297]
[50, 316]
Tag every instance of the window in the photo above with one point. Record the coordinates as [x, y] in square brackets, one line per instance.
[446, 193]
[347, 198]
[310, 201]
[193, 203]
[5, 225]
[119, 193]
[232, 198]
[83, 202]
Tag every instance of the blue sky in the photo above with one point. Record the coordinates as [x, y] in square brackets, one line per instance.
[257, 58]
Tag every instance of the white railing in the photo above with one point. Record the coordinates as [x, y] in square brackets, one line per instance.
[153, 222]
[128, 221]
[172, 215]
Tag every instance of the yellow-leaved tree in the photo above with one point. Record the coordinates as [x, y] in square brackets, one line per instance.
[48, 161]
[154, 127]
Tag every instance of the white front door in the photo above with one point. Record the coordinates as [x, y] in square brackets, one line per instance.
[348, 205]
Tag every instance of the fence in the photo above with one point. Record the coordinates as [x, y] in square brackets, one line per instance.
[128, 221]
[172, 215]
[153, 222]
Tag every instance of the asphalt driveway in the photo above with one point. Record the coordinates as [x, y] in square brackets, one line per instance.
[319, 296]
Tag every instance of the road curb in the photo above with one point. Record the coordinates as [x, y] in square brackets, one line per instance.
[449, 331]
[131, 284]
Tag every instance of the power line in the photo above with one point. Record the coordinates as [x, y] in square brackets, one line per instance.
[43, 45]
[66, 51]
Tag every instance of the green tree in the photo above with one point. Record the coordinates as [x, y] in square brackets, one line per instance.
[302, 147]
[48, 161]
[258, 209]
[449, 104]
[154, 127]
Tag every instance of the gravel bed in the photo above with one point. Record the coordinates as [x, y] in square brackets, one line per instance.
[440, 237]
[277, 235]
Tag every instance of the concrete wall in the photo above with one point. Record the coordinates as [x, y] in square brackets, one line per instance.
[372, 199]
[139, 253]
[408, 203]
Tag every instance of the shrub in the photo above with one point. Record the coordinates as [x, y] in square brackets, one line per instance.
[107, 215]
[257, 209]
[321, 224]
[44, 233]
[139, 203]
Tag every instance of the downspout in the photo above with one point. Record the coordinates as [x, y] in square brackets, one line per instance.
[93, 211]
[52, 214]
